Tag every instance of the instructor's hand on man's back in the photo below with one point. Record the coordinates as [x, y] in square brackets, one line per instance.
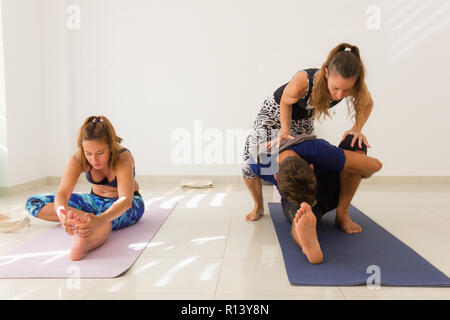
[283, 136]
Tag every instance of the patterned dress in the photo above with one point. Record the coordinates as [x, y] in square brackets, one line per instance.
[267, 123]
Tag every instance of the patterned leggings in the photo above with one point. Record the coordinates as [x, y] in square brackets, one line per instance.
[89, 202]
[265, 128]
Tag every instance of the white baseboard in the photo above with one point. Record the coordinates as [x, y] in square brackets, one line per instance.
[144, 179]
[235, 179]
[407, 180]
[23, 187]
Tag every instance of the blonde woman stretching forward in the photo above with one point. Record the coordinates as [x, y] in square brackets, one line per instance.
[114, 201]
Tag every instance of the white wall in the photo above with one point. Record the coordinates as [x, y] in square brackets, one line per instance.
[23, 61]
[57, 79]
[155, 67]
[3, 130]
[407, 63]
[36, 80]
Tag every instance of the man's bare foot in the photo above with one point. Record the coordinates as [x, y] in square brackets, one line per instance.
[344, 221]
[255, 214]
[304, 225]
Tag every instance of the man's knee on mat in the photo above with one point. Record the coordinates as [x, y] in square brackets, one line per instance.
[368, 165]
[346, 145]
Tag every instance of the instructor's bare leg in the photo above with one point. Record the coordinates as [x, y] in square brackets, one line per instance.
[254, 186]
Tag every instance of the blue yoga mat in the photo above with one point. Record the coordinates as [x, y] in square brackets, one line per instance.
[373, 256]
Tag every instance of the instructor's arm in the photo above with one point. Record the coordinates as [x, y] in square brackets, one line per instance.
[356, 130]
[294, 91]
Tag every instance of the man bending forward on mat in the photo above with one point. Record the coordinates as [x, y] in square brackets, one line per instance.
[313, 178]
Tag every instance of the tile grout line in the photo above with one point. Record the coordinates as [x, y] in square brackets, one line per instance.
[92, 289]
[226, 242]
[342, 292]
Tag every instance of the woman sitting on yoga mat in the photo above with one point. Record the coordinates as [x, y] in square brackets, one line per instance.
[313, 178]
[114, 201]
[311, 93]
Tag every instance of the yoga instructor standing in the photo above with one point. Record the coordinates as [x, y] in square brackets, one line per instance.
[310, 94]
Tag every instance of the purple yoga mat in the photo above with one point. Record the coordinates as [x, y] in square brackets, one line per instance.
[47, 256]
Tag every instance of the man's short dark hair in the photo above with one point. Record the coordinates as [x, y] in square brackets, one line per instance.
[296, 181]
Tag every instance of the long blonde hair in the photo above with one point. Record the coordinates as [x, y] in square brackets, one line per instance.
[98, 128]
[348, 64]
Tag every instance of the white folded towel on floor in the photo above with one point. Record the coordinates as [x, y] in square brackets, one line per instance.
[201, 184]
[8, 225]
[3, 216]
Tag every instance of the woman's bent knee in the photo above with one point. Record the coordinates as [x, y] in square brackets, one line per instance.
[34, 205]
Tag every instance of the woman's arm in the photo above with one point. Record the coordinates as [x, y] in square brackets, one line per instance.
[365, 115]
[356, 130]
[68, 182]
[295, 90]
[125, 189]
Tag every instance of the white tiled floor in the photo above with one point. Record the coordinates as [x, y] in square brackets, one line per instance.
[206, 249]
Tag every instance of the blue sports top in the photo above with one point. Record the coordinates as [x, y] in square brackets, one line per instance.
[320, 153]
[105, 181]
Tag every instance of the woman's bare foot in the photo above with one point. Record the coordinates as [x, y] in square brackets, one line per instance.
[344, 221]
[78, 244]
[255, 214]
[78, 248]
[304, 227]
